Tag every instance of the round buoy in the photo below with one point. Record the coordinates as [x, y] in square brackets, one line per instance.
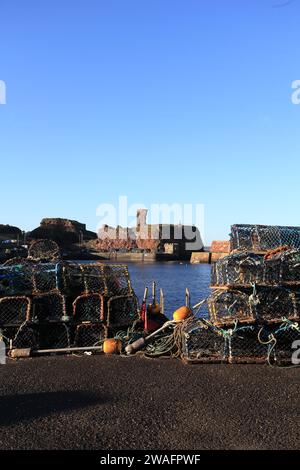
[112, 346]
[154, 308]
[182, 313]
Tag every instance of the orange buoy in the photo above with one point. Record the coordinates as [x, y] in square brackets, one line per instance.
[112, 346]
[182, 313]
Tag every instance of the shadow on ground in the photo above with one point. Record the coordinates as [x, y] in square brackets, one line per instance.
[18, 408]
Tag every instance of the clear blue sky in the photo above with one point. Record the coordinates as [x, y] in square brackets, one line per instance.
[165, 101]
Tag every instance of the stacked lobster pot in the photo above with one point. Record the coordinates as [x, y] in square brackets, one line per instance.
[32, 305]
[254, 307]
[47, 304]
[103, 301]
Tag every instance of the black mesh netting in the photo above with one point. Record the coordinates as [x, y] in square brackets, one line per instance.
[48, 307]
[227, 306]
[44, 250]
[16, 280]
[122, 311]
[90, 334]
[202, 343]
[14, 310]
[243, 345]
[287, 343]
[277, 303]
[88, 307]
[244, 269]
[117, 280]
[267, 305]
[263, 237]
[109, 280]
[54, 336]
[47, 277]
[238, 269]
[24, 336]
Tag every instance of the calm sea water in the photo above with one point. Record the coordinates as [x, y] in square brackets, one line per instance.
[173, 278]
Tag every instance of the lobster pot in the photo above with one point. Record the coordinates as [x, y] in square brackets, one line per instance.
[14, 310]
[277, 303]
[88, 307]
[262, 238]
[93, 278]
[287, 343]
[54, 335]
[20, 337]
[122, 311]
[16, 280]
[228, 306]
[48, 307]
[18, 260]
[73, 279]
[240, 269]
[290, 267]
[117, 280]
[44, 250]
[47, 277]
[83, 279]
[243, 346]
[89, 334]
[202, 343]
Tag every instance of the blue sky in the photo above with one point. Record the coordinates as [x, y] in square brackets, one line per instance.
[164, 101]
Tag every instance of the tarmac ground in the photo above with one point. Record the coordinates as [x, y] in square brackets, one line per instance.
[100, 402]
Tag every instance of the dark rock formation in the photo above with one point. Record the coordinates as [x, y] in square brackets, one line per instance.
[8, 232]
[62, 231]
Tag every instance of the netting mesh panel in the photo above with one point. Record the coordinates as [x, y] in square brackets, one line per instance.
[20, 337]
[277, 303]
[109, 280]
[263, 237]
[227, 306]
[88, 307]
[201, 343]
[48, 307]
[73, 279]
[54, 335]
[16, 279]
[122, 310]
[289, 266]
[117, 280]
[84, 278]
[17, 260]
[14, 310]
[238, 269]
[92, 334]
[93, 278]
[247, 268]
[243, 346]
[47, 277]
[285, 346]
[44, 249]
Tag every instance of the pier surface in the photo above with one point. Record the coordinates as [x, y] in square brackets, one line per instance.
[98, 402]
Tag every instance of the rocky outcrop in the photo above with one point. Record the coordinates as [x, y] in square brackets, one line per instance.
[8, 232]
[63, 231]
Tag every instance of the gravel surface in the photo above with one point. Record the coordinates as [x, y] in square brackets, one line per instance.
[98, 402]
